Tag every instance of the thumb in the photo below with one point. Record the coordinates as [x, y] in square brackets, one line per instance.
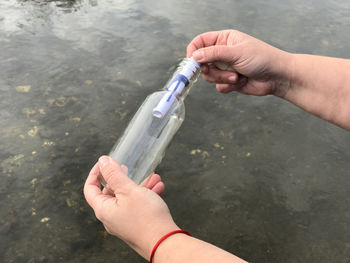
[114, 174]
[216, 53]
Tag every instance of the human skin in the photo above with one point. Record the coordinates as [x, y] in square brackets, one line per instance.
[140, 217]
[318, 85]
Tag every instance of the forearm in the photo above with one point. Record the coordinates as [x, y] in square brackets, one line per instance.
[321, 86]
[183, 248]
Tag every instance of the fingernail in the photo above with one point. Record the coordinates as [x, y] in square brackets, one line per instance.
[103, 161]
[198, 56]
[124, 169]
[233, 79]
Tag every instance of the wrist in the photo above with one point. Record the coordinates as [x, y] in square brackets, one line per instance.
[286, 77]
[163, 239]
[156, 233]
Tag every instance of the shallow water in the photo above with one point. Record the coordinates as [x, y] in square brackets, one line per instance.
[264, 180]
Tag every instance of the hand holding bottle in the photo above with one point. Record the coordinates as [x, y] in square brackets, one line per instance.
[317, 84]
[260, 69]
[134, 213]
[140, 218]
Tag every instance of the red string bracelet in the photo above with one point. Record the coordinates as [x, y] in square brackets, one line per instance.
[163, 238]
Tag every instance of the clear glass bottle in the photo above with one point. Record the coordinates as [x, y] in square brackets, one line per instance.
[143, 144]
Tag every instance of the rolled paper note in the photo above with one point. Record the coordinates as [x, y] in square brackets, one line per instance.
[164, 104]
[175, 88]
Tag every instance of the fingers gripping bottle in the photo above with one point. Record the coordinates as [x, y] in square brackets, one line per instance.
[143, 144]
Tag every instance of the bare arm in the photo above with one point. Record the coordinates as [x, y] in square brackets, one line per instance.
[183, 248]
[319, 85]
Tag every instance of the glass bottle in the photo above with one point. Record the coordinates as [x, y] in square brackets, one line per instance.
[143, 144]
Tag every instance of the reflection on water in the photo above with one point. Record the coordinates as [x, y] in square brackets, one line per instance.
[63, 5]
[264, 180]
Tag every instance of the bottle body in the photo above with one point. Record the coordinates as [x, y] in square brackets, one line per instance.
[143, 144]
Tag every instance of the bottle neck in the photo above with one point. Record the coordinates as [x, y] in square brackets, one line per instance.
[185, 76]
[178, 87]
[188, 87]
